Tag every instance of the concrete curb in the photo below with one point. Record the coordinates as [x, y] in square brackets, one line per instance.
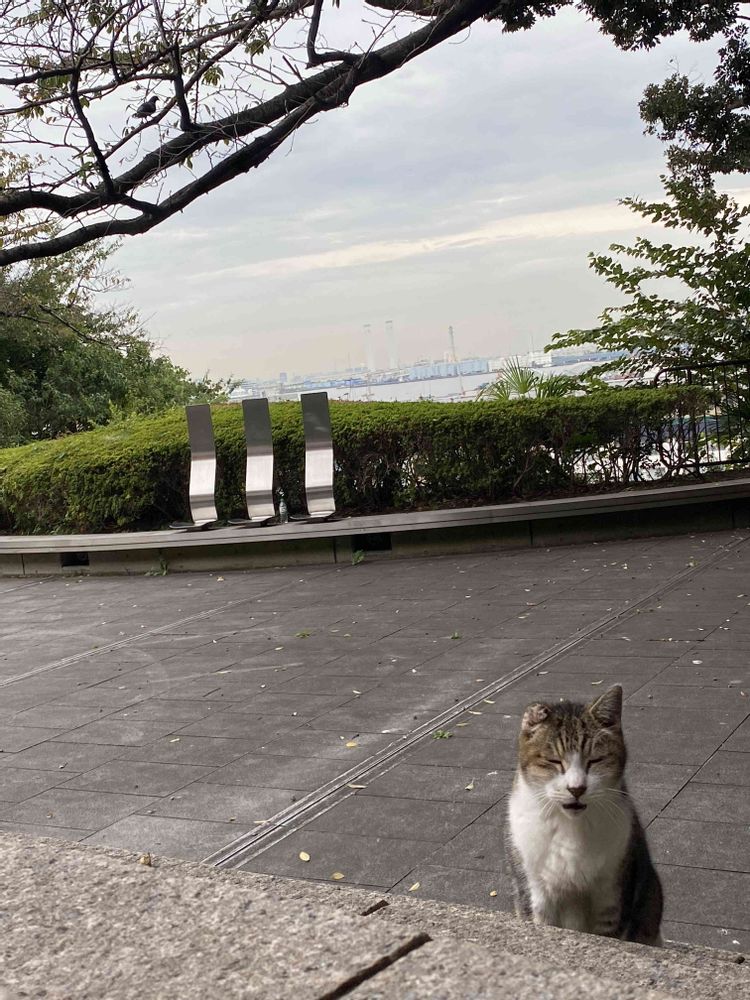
[95, 923]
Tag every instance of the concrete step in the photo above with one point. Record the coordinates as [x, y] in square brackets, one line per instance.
[93, 923]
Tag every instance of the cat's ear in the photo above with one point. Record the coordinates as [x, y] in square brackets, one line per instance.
[607, 709]
[533, 716]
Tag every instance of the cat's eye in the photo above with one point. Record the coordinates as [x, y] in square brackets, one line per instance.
[594, 760]
[551, 760]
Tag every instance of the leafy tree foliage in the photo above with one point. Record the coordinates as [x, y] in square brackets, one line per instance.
[706, 123]
[68, 365]
[119, 114]
[687, 300]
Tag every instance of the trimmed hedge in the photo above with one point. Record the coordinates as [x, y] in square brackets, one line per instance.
[389, 456]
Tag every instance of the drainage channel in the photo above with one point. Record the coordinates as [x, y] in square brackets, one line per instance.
[319, 801]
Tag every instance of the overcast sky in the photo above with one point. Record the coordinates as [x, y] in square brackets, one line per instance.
[465, 190]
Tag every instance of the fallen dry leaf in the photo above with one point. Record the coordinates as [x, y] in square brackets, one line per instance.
[175, 739]
[304, 856]
[470, 786]
[413, 888]
[351, 743]
[474, 713]
[487, 701]
[145, 859]
[459, 725]
[337, 876]
[595, 683]
[494, 892]
[356, 786]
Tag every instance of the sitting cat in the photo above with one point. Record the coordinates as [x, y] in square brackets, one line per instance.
[576, 848]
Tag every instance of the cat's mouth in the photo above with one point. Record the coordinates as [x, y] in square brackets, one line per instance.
[574, 806]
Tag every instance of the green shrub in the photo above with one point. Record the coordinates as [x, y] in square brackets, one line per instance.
[389, 456]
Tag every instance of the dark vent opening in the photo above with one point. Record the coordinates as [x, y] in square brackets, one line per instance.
[379, 541]
[74, 559]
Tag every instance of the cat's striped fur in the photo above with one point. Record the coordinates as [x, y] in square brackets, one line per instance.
[576, 849]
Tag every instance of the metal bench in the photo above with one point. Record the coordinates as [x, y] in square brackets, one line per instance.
[202, 469]
[316, 419]
[259, 464]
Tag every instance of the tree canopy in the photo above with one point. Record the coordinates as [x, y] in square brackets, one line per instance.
[687, 302]
[687, 299]
[119, 113]
[67, 364]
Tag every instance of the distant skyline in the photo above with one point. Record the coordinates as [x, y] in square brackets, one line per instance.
[466, 190]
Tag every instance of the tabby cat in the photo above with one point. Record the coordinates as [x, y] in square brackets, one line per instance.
[576, 848]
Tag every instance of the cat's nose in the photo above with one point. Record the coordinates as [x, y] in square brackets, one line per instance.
[577, 791]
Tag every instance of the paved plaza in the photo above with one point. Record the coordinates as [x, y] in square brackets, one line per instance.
[364, 717]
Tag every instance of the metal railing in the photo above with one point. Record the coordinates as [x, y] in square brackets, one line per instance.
[717, 435]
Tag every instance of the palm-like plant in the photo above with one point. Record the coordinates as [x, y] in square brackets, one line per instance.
[515, 381]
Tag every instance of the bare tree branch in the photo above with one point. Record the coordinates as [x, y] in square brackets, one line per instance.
[243, 76]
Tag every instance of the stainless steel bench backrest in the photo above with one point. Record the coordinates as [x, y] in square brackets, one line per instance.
[259, 468]
[202, 463]
[318, 454]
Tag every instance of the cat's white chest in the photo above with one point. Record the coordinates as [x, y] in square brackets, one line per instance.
[562, 854]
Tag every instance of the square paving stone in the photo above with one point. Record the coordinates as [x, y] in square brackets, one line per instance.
[257, 728]
[711, 803]
[55, 715]
[700, 675]
[175, 710]
[174, 838]
[368, 663]
[719, 846]
[670, 748]
[653, 778]
[301, 773]
[330, 745]
[448, 784]
[15, 738]
[480, 846]
[36, 830]
[698, 895]
[397, 720]
[725, 938]
[679, 696]
[726, 768]
[471, 887]
[19, 783]
[475, 724]
[138, 777]
[101, 695]
[208, 751]
[680, 721]
[225, 803]
[54, 756]
[618, 646]
[400, 818]
[487, 755]
[325, 684]
[739, 740]
[115, 733]
[611, 666]
[75, 809]
[363, 860]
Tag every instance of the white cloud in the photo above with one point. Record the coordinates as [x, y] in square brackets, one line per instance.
[586, 220]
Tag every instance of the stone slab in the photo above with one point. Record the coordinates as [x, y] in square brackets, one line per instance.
[162, 931]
